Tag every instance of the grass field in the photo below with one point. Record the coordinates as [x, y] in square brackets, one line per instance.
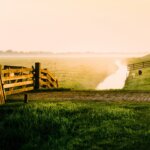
[74, 120]
[76, 72]
[137, 82]
[74, 124]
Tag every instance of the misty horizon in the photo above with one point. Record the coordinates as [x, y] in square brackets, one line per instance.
[73, 52]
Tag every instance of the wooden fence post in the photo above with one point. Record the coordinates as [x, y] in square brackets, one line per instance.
[25, 98]
[2, 95]
[37, 75]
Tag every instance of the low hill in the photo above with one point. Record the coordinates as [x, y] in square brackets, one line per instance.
[138, 59]
[136, 81]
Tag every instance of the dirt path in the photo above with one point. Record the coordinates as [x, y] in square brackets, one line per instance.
[85, 95]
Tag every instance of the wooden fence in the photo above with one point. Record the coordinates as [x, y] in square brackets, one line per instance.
[140, 65]
[2, 95]
[17, 79]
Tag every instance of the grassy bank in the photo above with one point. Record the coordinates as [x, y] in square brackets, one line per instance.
[136, 81]
[75, 125]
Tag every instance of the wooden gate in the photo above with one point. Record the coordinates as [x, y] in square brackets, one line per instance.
[2, 95]
[17, 79]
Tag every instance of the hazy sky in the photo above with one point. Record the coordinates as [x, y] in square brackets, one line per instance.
[75, 25]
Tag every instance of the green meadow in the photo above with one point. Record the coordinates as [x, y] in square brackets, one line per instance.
[136, 81]
[63, 125]
[59, 122]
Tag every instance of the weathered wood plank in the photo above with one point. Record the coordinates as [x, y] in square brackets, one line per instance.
[52, 82]
[2, 97]
[43, 77]
[17, 70]
[43, 83]
[43, 71]
[18, 84]
[51, 78]
[13, 67]
[48, 73]
[19, 90]
[51, 75]
[2, 94]
[17, 77]
[49, 83]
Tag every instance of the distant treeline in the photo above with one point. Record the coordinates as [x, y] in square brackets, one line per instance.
[7, 52]
[11, 52]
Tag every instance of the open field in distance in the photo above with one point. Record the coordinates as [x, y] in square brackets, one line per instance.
[76, 72]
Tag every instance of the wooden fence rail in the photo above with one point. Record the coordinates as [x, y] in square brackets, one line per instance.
[47, 79]
[140, 65]
[16, 79]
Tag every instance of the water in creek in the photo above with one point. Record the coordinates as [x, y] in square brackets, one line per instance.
[115, 80]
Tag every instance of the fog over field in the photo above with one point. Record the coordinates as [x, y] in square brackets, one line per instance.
[77, 72]
[98, 71]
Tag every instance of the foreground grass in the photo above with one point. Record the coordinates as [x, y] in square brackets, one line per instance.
[75, 125]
